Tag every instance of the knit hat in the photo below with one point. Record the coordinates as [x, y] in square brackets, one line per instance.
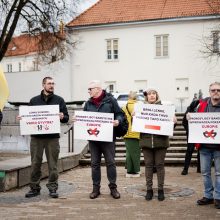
[150, 88]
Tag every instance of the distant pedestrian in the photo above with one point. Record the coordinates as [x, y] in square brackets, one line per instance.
[190, 146]
[133, 151]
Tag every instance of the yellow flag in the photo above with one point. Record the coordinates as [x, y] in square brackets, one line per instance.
[4, 91]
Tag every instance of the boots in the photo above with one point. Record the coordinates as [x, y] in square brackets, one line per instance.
[114, 193]
[95, 192]
[149, 195]
[161, 196]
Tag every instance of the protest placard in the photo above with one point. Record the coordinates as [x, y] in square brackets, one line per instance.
[94, 126]
[204, 128]
[153, 119]
[41, 119]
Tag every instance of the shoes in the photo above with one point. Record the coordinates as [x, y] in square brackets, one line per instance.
[53, 194]
[161, 196]
[184, 172]
[205, 201]
[149, 195]
[129, 175]
[217, 203]
[32, 193]
[114, 193]
[95, 193]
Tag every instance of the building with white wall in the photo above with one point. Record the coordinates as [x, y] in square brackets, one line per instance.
[128, 45]
[131, 45]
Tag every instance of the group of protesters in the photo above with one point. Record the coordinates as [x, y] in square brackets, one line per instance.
[153, 146]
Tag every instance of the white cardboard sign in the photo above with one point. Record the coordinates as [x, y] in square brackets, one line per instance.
[204, 128]
[96, 126]
[40, 119]
[153, 119]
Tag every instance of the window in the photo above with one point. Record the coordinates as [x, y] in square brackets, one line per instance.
[161, 45]
[9, 68]
[19, 67]
[216, 42]
[112, 49]
[35, 65]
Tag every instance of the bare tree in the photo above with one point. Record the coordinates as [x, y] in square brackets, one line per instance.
[41, 18]
[211, 42]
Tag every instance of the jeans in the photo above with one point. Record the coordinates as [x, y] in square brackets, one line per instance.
[97, 148]
[154, 157]
[207, 156]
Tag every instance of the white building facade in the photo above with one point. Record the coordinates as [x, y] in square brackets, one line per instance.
[166, 55]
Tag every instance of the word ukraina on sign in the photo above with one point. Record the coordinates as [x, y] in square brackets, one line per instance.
[41, 119]
[94, 126]
[153, 119]
[204, 128]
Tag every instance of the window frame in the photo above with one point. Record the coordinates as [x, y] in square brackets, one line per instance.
[112, 53]
[162, 45]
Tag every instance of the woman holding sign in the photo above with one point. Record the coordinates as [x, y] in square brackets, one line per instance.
[154, 148]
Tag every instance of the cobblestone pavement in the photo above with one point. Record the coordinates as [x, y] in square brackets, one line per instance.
[74, 203]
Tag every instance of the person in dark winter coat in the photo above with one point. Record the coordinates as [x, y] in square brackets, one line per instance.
[190, 146]
[47, 142]
[154, 148]
[101, 101]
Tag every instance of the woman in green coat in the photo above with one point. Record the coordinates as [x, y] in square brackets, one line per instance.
[154, 148]
[133, 151]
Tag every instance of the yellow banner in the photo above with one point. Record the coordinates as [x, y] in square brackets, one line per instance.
[4, 91]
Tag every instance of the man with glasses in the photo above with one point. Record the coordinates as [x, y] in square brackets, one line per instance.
[47, 142]
[210, 152]
[101, 101]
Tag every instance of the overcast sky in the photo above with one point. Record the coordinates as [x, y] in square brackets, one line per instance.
[86, 4]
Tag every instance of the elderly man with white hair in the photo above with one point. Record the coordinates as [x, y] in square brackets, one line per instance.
[101, 101]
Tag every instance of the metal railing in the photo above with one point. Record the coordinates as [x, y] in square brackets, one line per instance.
[70, 132]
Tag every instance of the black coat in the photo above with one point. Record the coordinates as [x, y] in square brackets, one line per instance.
[108, 105]
[52, 100]
[191, 108]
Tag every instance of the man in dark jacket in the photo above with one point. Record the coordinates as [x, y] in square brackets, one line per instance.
[210, 152]
[190, 146]
[47, 142]
[100, 101]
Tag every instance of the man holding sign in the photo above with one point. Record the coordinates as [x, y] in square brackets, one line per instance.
[210, 151]
[100, 101]
[47, 141]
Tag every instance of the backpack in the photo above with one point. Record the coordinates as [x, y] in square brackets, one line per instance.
[122, 129]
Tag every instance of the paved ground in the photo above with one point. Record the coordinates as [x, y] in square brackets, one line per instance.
[74, 203]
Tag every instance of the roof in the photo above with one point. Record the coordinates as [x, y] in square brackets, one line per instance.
[121, 11]
[23, 44]
[28, 44]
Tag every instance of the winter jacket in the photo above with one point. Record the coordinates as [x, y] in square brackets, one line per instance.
[52, 100]
[128, 109]
[154, 140]
[107, 105]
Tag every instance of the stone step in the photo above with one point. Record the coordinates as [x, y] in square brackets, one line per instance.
[168, 155]
[120, 161]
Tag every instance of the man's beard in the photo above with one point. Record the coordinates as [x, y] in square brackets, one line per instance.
[49, 92]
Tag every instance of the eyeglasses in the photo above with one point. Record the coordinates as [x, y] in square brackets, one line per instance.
[215, 90]
[50, 84]
[90, 89]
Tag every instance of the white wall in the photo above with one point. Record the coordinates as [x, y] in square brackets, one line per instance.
[137, 59]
